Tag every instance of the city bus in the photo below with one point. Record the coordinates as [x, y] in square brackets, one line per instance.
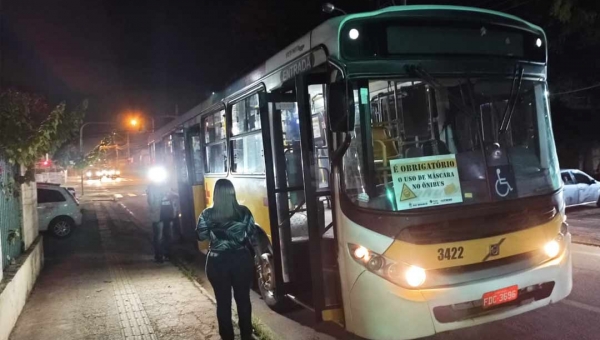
[401, 167]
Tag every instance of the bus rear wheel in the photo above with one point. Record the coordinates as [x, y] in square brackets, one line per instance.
[265, 276]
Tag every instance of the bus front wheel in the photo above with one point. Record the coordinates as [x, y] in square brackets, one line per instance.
[265, 276]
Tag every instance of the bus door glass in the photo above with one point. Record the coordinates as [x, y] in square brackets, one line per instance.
[300, 157]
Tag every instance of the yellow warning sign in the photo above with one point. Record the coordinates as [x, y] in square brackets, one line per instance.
[407, 194]
[429, 181]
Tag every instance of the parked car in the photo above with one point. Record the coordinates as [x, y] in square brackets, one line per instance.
[58, 210]
[580, 188]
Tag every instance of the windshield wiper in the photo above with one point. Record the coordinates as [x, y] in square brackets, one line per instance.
[512, 100]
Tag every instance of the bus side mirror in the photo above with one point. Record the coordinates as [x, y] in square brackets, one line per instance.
[341, 108]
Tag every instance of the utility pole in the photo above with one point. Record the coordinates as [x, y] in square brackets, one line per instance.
[128, 148]
[81, 144]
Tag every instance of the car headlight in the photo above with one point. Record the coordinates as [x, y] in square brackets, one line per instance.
[401, 274]
[88, 174]
[98, 173]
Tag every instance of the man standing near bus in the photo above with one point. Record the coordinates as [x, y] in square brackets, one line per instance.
[159, 202]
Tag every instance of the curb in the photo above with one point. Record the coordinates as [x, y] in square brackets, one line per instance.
[261, 331]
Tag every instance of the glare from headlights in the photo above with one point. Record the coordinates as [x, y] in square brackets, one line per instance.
[89, 174]
[98, 173]
[111, 172]
[157, 174]
[361, 252]
[552, 248]
[118, 172]
[415, 276]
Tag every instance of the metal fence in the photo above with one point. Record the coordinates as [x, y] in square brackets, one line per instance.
[11, 235]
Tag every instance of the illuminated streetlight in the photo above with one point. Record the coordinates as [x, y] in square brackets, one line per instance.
[133, 122]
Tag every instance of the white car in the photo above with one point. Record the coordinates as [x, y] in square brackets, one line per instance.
[580, 188]
[58, 210]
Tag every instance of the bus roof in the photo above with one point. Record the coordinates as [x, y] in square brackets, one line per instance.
[326, 35]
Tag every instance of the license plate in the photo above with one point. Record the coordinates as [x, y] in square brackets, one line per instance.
[500, 296]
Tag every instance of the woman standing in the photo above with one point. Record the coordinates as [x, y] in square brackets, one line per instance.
[230, 229]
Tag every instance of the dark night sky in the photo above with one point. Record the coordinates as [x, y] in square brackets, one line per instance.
[152, 55]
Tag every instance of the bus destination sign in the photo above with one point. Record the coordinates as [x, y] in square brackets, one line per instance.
[426, 181]
[297, 67]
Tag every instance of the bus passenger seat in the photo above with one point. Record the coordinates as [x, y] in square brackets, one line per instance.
[384, 149]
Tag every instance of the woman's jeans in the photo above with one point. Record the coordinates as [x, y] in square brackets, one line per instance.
[227, 269]
[162, 239]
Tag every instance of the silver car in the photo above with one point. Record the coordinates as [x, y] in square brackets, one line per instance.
[580, 188]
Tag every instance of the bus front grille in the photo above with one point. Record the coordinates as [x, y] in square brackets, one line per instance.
[476, 227]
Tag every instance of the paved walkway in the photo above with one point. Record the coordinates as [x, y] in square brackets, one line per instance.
[102, 284]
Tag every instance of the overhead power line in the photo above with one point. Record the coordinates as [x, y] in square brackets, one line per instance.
[576, 90]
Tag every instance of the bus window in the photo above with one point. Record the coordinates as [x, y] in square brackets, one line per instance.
[246, 140]
[198, 174]
[179, 159]
[317, 108]
[214, 139]
[245, 116]
[248, 157]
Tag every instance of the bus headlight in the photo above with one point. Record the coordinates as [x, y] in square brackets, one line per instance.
[552, 248]
[415, 276]
[401, 274]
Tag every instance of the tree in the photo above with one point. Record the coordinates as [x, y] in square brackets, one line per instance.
[29, 129]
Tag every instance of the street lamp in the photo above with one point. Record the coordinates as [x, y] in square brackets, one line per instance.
[133, 122]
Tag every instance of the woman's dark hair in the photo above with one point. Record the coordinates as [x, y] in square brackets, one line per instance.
[225, 206]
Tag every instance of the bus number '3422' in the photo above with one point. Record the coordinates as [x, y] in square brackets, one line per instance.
[453, 253]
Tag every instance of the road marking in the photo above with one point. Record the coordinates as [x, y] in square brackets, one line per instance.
[118, 196]
[581, 305]
[131, 195]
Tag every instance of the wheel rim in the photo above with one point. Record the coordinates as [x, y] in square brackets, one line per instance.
[265, 272]
[62, 228]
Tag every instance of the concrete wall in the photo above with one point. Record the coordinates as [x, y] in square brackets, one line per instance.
[30, 228]
[17, 285]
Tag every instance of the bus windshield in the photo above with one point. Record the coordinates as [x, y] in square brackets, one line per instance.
[460, 141]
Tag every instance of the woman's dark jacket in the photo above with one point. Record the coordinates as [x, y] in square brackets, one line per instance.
[233, 234]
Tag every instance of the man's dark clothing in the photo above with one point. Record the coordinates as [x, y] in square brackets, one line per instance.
[161, 239]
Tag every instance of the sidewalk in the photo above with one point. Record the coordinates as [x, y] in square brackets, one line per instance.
[103, 284]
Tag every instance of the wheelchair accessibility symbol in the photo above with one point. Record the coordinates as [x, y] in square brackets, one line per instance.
[503, 188]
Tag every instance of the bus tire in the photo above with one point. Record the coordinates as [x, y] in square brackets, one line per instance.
[265, 275]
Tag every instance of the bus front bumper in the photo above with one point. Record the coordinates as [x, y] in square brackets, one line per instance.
[381, 310]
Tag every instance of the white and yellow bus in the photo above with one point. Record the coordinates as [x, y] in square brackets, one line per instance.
[401, 164]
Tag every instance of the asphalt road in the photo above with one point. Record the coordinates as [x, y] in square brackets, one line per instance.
[573, 318]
